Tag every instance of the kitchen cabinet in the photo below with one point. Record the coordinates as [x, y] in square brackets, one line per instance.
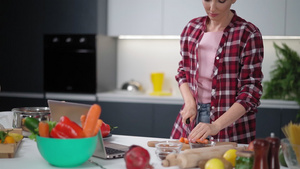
[8, 103]
[177, 13]
[164, 118]
[134, 17]
[130, 118]
[75, 16]
[21, 68]
[156, 17]
[271, 120]
[156, 120]
[267, 15]
[168, 17]
[292, 18]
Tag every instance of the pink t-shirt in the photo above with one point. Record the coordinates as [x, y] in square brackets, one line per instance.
[206, 55]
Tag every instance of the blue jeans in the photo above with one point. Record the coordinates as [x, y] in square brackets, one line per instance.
[203, 113]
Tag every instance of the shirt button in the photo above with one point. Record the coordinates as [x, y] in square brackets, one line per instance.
[217, 58]
[213, 92]
[216, 72]
[212, 107]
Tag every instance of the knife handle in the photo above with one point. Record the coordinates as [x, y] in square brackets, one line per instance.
[187, 121]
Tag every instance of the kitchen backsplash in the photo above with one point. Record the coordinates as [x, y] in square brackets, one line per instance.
[136, 59]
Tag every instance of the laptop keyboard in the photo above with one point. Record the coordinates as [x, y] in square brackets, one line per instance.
[113, 151]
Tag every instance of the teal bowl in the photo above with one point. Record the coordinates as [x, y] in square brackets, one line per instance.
[66, 152]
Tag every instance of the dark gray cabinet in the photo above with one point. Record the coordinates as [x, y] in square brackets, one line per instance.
[164, 116]
[156, 120]
[21, 63]
[8, 103]
[140, 119]
[130, 118]
[74, 16]
[23, 24]
[271, 120]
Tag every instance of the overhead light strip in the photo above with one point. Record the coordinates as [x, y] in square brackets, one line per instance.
[170, 37]
[149, 37]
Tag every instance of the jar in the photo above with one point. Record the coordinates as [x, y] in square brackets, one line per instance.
[273, 157]
[244, 159]
[261, 152]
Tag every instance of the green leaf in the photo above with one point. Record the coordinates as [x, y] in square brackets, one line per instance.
[285, 81]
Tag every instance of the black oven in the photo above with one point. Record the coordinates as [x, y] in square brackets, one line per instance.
[70, 63]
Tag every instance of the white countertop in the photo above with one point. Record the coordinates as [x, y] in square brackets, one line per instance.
[28, 156]
[135, 97]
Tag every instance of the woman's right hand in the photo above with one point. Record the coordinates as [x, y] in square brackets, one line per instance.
[189, 111]
[190, 107]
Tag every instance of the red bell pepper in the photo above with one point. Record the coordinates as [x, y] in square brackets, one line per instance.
[105, 129]
[66, 128]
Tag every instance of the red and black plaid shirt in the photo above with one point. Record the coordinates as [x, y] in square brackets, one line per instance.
[237, 75]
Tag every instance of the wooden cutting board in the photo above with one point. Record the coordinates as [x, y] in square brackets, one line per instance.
[187, 146]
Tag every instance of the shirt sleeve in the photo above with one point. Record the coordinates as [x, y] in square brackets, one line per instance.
[182, 66]
[250, 78]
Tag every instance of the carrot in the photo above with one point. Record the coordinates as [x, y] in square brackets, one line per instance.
[205, 141]
[181, 139]
[44, 129]
[99, 124]
[186, 141]
[82, 120]
[91, 120]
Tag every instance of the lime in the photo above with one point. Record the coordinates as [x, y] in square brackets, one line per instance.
[281, 158]
[230, 155]
[17, 137]
[214, 163]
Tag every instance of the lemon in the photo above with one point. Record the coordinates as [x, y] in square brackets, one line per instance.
[230, 155]
[17, 137]
[214, 163]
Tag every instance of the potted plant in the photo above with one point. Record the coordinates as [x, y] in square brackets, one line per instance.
[285, 77]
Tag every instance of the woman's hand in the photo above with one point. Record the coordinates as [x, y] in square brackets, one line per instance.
[203, 130]
[190, 107]
[189, 111]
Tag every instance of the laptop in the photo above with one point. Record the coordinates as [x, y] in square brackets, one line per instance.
[105, 149]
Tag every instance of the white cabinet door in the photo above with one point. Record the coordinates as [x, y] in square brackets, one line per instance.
[134, 17]
[177, 13]
[293, 18]
[267, 15]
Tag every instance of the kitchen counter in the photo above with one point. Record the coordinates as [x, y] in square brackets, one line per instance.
[28, 156]
[134, 97]
[138, 97]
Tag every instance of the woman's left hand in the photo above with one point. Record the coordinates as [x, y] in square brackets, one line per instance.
[202, 131]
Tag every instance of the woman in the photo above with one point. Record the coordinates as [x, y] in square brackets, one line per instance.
[219, 76]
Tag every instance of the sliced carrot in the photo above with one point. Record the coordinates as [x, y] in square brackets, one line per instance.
[186, 141]
[91, 120]
[99, 124]
[181, 139]
[82, 120]
[205, 141]
[44, 129]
